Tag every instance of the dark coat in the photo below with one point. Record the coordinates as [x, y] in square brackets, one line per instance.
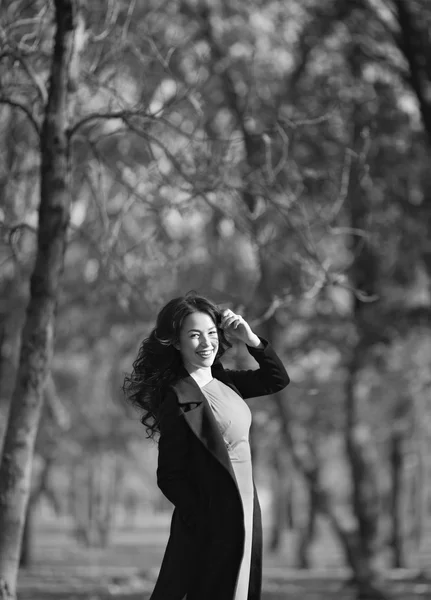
[206, 541]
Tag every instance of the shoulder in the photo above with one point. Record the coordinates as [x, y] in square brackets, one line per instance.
[168, 402]
[178, 397]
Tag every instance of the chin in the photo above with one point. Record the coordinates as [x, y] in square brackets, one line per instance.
[210, 359]
[206, 361]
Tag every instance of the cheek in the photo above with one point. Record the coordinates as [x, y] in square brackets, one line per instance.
[188, 345]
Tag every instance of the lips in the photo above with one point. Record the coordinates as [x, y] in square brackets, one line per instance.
[206, 354]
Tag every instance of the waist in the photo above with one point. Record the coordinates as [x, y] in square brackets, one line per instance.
[239, 452]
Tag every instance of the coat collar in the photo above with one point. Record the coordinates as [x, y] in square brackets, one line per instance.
[199, 415]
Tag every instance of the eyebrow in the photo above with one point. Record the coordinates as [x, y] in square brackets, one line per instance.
[199, 331]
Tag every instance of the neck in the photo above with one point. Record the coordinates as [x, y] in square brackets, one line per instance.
[201, 376]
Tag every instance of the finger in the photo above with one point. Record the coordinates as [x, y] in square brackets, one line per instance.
[233, 321]
[226, 320]
[226, 313]
[229, 315]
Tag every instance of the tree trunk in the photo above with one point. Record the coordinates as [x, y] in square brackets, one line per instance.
[364, 493]
[13, 287]
[91, 507]
[109, 495]
[290, 513]
[364, 577]
[363, 275]
[414, 42]
[27, 537]
[396, 458]
[278, 503]
[365, 496]
[421, 497]
[9, 341]
[308, 530]
[38, 331]
[78, 503]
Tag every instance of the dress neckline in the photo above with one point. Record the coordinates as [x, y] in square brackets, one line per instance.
[210, 381]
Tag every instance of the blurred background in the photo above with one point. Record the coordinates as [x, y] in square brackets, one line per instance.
[274, 156]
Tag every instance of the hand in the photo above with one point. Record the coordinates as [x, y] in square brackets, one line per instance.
[237, 328]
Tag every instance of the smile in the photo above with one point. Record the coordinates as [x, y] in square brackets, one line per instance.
[205, 354]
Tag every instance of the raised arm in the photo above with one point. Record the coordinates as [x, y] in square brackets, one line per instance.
[271, 376]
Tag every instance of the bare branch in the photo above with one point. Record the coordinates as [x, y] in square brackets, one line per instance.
[80, 39]
[344, 185]
[57, 409]
[24, 109]
[128, 20]
[101, 206]
[33, 76]
[18, 227]
[276, 303]
[111, 18]
[349, 231]
[203, 192]
[33, 27]
[122, 115]
[29, 22]
[163, 61]
[118, 223]
[193, 189]
[326, 276]
[284, 149]
[323, 18]
[295, 123]
[109, 259]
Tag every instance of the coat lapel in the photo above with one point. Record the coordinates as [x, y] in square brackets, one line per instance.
[200, 418]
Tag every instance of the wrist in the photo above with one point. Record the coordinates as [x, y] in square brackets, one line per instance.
[254, 341]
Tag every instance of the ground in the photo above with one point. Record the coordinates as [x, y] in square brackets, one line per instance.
[126, 570]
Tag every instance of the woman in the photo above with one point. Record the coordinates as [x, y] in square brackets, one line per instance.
[214, 550]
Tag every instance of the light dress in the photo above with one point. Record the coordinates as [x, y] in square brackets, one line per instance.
[234, 419]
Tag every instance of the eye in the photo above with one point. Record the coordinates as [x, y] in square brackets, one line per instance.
[214, 332]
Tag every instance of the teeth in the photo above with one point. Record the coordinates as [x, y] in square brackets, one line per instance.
[205, 354]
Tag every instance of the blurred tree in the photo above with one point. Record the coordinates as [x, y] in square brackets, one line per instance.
[55, 423]
[413, 38]
[37, 338]
[16, 240]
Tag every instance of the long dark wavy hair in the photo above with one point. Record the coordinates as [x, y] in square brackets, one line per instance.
[159, 364]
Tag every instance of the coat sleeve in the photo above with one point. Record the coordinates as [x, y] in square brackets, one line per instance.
[270, 377]
[174, 460]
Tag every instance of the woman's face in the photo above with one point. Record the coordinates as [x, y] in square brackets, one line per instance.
[198, 342]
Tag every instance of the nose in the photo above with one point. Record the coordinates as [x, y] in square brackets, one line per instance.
[205, 342]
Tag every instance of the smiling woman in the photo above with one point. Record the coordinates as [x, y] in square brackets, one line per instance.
[198, 345]
[204, 468]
